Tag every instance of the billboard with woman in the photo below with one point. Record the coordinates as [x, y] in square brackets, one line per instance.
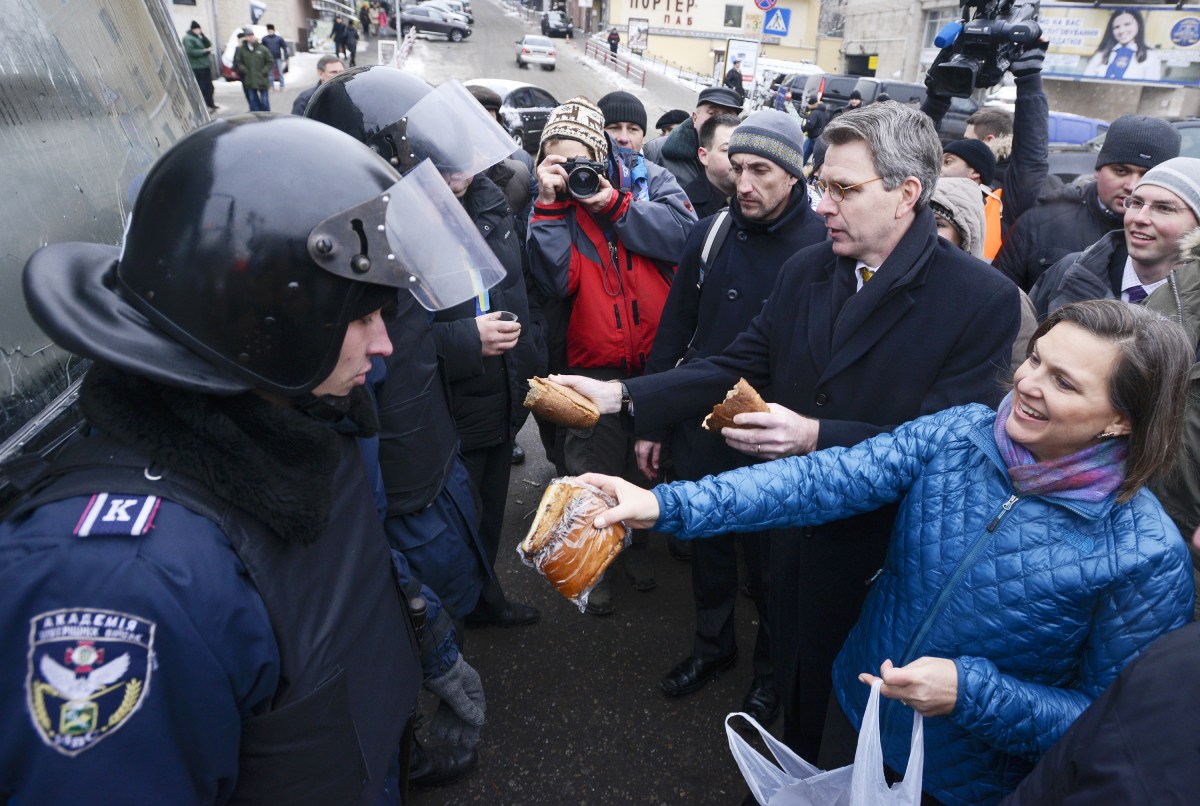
[1156, 44]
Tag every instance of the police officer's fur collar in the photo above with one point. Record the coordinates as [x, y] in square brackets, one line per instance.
[272, 461]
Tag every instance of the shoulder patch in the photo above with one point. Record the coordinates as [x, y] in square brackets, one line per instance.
[89, 673]
[118, 514]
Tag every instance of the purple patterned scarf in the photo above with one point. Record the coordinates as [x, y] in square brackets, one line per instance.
[1091, 475]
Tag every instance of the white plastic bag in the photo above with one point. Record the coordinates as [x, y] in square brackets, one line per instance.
[795, 782]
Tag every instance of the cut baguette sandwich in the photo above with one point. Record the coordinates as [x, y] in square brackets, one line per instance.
[741, 398]
[560, 404]
[562, 543]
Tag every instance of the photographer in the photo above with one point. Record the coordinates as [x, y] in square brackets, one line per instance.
[609, 248]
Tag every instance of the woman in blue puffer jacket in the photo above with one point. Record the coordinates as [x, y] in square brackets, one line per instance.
[1028, 563]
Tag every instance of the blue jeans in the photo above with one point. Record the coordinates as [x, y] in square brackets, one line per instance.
[278, 73]
[260, 100]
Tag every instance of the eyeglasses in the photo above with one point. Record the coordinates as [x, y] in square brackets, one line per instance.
[838, 192]
[1157, 209]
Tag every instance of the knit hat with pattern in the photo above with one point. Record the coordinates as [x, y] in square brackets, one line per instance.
[772, 135]
[577, 119]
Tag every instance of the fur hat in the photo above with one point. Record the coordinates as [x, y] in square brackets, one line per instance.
[1139, 140]
[771, 135]
[622, 107]
[577, 119]
[959, 201]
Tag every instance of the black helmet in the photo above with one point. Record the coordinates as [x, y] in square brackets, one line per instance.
[405, 120]
[253, 243]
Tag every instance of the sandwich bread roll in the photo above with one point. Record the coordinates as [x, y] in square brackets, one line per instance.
[741, 398]
[562, 543]
[560, 404]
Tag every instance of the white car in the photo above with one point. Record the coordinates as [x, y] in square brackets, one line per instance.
[535, 49]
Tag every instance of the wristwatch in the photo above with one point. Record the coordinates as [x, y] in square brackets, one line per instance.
[626, 401]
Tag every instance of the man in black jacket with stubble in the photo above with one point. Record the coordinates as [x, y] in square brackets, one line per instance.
[881, 324]
[711, 302]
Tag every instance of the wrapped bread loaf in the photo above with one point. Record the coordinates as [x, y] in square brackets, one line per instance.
[564, 546]
[560, 404]
[741, 398]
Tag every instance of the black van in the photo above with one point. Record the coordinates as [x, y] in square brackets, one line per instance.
[834, 92]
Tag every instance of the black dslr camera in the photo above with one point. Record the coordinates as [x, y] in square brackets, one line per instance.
[978, 52]
[583, 178]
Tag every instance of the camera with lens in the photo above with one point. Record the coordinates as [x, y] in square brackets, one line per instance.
[583, 177]
[976, 53]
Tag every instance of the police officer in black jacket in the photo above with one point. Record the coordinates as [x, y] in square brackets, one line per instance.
[203, 582]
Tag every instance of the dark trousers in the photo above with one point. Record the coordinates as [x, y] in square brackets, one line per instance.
[818, 581]
[715, 589]
[204, 79]
[260, 100]
[489, 469]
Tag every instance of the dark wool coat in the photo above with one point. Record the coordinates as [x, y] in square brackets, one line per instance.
[933, 329]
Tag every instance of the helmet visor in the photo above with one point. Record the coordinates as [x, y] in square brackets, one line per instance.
[449, 127]
[415, 235]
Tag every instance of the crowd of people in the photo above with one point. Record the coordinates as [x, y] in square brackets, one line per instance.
[973, 483]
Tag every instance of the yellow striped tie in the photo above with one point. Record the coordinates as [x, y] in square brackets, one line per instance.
[867, 274]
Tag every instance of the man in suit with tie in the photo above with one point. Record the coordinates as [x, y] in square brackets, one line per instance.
[1130, 263]
[879, 324]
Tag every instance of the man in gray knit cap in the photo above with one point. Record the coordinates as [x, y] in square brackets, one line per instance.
[769, 219]
[1075, 217]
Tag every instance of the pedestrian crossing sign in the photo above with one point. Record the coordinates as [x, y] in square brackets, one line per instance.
[777, 22]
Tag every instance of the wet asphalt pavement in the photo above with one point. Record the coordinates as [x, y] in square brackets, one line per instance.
[575, 715]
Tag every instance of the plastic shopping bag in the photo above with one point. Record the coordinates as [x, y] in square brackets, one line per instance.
[792, 781]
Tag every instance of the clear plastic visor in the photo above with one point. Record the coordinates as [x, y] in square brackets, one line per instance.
[450, 128]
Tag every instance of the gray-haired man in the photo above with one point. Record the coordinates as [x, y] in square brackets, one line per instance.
[878, 325]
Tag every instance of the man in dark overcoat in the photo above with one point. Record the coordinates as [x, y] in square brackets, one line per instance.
[878, 325]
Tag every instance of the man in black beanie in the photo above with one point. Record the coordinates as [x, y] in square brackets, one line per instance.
[624, 119]
[970, 159]
[1076, 216]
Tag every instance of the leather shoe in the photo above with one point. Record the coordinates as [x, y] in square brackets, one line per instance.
[438, 766]
[513, 614]
[639, 569]
[518, 454]
[600, 601]
[693, 673]
[761, 703]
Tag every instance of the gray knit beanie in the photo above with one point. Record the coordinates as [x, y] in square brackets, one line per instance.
[1181, 176]
[772, 135]
[1139, 140]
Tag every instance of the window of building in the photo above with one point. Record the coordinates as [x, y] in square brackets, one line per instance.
[935, 21]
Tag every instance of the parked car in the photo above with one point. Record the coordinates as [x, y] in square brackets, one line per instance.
[534, 49]
[524, 109]
[231, 44]
[834, 92]
[789, 88]
[1068, 162]
[432, 21]
[1068, 129]
[557, 23]
[452, 7]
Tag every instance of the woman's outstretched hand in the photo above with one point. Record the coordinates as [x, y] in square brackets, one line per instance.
[928, 685]
[638, 508]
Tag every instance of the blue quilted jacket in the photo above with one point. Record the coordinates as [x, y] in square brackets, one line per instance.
[1039, 602]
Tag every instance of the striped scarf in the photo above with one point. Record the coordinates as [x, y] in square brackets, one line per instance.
[1090, 476]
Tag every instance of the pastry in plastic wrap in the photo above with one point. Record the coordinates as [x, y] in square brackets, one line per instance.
[738, 400]
[560, 404]
[564, 546]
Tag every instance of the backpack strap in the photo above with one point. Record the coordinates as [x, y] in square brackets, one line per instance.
[718, 230]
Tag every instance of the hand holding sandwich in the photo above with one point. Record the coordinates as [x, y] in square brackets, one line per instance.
[605, 394]
[773, 435]
[636, 507]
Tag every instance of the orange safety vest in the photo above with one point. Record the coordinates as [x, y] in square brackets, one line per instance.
[993, 209]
